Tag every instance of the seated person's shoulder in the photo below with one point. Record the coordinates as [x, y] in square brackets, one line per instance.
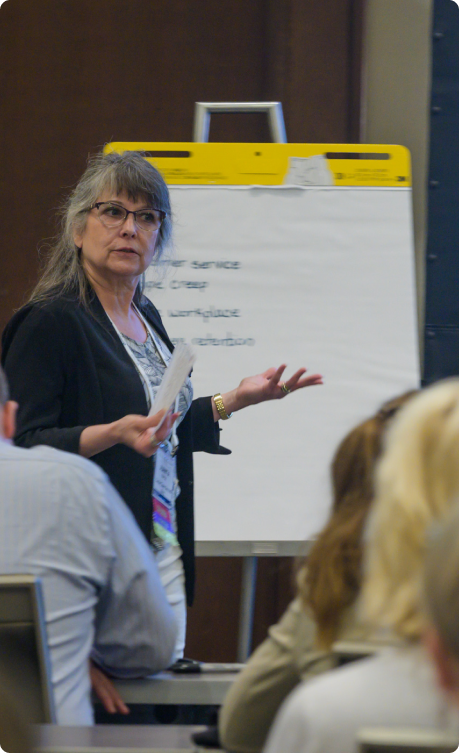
[296, 629]
[389, 673]
[320, 705]
[69, 466]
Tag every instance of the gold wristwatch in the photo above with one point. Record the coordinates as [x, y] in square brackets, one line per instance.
[218, 400]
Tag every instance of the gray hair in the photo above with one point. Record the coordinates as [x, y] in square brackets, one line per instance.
[4, 391]
[128, 172]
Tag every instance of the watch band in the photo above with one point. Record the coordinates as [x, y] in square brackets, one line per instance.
[218, 400]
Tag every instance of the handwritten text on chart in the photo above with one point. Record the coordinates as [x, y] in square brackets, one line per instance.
[206, 314]
[177, 285]
[199, 285]
[180, 263]
[227, 342]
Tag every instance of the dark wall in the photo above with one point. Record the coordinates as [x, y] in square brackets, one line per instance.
[77, 74]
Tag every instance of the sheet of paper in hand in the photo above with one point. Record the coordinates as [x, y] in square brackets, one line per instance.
[177, 371]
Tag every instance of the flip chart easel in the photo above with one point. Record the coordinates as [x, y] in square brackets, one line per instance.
[297, 253]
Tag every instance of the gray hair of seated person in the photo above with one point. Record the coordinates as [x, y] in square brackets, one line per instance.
[4, 391]
[441, 580]
[128, 172]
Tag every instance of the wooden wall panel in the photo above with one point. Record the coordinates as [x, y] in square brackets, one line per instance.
[313, 64]
[74, 75]
[78, 74]
[218, 615]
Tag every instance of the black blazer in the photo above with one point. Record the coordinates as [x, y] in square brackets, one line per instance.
[68, 369]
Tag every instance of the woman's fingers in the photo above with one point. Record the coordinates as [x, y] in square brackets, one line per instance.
[293, 381]
[163, 432]
[156, 418]
[273, 374]
[297, 381]
[144, 433]
[309, 381]
[150, 422]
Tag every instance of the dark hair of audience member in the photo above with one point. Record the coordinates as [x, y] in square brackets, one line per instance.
[4, 391]
[330, 580]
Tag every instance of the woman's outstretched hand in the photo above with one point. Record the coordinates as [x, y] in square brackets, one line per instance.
[266, 386]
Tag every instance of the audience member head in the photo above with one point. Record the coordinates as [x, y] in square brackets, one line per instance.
[128, 173]
[7, 410]
[331, 580]
[417, 481]
[441, 601]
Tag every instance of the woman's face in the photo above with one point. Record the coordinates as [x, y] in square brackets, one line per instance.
[115, 253]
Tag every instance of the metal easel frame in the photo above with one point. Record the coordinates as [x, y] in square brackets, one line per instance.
[201, 125]
[203, 111]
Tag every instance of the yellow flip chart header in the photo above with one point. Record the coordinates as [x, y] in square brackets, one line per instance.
[269, 164]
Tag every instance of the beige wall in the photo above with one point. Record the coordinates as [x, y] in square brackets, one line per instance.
[396, 98]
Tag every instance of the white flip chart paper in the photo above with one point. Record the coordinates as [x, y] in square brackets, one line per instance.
[321, 277]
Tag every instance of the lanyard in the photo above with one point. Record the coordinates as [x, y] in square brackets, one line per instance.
[142, 373]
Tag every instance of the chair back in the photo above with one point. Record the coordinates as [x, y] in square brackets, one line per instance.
[403, 740]
[25, 669]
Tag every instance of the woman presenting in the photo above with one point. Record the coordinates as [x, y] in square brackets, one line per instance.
[87, 353]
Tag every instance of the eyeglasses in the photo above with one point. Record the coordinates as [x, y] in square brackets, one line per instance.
[114, 215]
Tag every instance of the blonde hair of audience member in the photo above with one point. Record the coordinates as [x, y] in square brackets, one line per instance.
[441, 600]
[416, 483]
[331, 578]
